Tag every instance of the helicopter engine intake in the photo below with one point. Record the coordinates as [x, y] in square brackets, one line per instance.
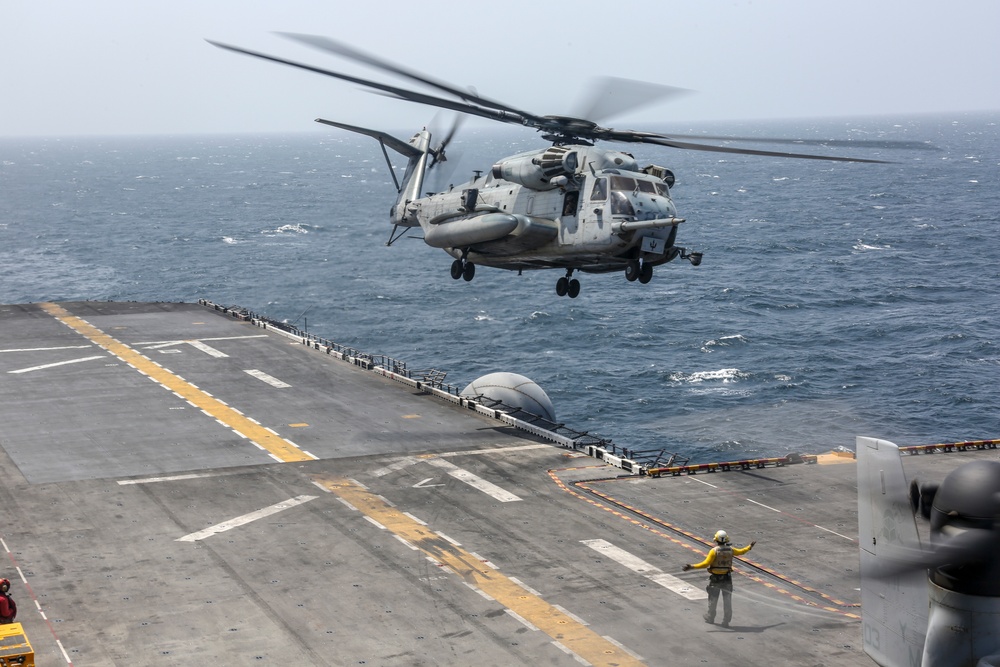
[538, 171]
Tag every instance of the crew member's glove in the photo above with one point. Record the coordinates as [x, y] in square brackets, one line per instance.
[753, 543]
[687, 566]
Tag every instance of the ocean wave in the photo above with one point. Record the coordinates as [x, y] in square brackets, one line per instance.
[298, 228]
[724, 375]
[861, 246]
[724, 341]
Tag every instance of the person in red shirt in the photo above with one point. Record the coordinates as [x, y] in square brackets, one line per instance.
[8, 609]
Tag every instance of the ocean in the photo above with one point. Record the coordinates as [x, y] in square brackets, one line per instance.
[834, 299]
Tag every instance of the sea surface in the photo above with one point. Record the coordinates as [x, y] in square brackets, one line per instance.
[834, 299]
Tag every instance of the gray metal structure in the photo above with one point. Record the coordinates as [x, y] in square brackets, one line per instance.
[181, 485]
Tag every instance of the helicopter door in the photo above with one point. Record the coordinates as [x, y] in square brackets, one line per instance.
[594, 221]
[569, 227]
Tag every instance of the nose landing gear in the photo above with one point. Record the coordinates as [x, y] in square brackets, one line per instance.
[635, 271]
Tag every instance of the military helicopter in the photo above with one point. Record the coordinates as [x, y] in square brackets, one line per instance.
[571, 206]
[934, 604]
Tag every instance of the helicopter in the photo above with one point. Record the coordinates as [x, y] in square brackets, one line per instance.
[935, 604]
[571, 206]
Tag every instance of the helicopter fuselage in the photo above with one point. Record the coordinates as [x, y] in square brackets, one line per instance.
[575, 207]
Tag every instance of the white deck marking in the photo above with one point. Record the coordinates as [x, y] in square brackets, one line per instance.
[164, 343]
[835, 533]
[764, 506]
[172, 478]
[474, 481]
[161, 345]
[407, 461]
[58, 363]
[424, 485]
[46, 349]
[651, 572]
[393, 467]
[245, 519]
[264, 377]
[207, 349]
[495, 450]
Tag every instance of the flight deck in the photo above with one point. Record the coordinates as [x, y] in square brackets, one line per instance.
[183, 485]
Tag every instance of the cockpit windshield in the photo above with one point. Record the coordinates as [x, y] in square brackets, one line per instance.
[629, 184]
[622, 184]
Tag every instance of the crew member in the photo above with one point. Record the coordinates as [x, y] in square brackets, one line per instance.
[8, 609]
[719, 563]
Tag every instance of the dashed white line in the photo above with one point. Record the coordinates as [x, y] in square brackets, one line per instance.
[374, 522]
[418, 520]
[525, 622]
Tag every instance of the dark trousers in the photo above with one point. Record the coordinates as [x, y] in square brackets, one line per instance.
[720, 583]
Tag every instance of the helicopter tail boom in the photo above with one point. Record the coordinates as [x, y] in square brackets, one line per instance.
[416, 150]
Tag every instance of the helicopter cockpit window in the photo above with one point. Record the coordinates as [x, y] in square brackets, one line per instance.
[662, 189]
[621, 204]
[622, 184]
[600, 191]
[647, 186]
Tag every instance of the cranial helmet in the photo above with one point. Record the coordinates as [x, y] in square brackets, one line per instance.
[721, 537]
[4, 585]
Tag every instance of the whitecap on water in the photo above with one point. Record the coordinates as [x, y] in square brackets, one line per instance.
[285, 229]
[861, 245]
[723, 374]
[724, 341]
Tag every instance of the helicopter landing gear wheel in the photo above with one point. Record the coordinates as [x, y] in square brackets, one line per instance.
[469, 271]
[645, 273]
[457, 269]
[565, 286]
[632, 270]
[562, 286]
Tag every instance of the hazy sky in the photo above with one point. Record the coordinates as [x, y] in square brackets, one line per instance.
[143, 67]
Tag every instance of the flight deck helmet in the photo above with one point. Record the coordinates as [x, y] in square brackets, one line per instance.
[721, 537]
[4, 585]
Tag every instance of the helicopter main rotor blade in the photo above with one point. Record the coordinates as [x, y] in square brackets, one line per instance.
[390, 91]
[845, 143]
[609, 96]
[339, 48]
[974, 546]
[662, 140]
[562, 129]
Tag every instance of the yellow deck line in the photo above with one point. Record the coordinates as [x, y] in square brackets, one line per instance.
[562, 628]
[279, 448]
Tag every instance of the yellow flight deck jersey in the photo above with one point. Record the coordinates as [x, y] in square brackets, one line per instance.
[720, 558]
